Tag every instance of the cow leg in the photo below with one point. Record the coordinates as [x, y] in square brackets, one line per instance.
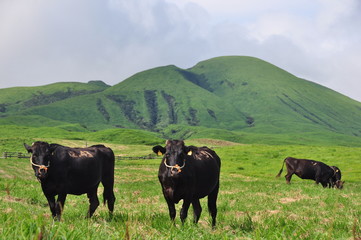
[288, 177]
[60, 205]
[51, 201]
[318, 179]
[212, 204]
[324, 182]
[290, 172]
[171, 208]
[108, 194]
[330, 183]
[109, 197]
[93, 201]
[184, 210]
[197, 210]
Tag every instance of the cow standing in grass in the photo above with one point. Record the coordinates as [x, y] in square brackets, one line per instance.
[314, 170]
[189, 173]
[63, 170]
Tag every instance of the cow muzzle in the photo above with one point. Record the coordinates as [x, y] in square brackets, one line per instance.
[339, 184]
[41, 171]
[175, 169]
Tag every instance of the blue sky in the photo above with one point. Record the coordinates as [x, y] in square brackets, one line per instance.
[44, 41]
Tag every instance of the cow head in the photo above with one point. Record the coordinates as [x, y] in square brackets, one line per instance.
[336, 179]
[339, 184]
[175, 154]
[40, 158]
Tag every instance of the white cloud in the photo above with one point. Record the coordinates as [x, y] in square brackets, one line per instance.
[48, 41]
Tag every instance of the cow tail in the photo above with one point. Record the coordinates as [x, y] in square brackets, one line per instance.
[279, 174]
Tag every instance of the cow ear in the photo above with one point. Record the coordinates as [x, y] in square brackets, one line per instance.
[189, 151]
[28, 148]
[159, 150]
[52, 147]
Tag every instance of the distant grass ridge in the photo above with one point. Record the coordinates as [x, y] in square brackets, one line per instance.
[241, 98]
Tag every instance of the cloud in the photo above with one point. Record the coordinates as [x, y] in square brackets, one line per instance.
[83, 40]
[316, 40]
[50, 41]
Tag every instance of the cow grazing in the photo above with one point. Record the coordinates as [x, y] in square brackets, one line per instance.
[314, 170]
[63, 170]
[189, 173]
[336, 179]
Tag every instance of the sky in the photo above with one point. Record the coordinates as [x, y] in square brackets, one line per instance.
[48, 41]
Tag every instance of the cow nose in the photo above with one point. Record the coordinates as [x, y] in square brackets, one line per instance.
[175, 171]
[42, 171]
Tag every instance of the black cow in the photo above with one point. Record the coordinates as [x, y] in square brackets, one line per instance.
[189, 173]
[314, 170]
[63, 170]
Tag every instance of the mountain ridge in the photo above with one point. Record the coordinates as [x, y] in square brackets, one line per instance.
[234, 93]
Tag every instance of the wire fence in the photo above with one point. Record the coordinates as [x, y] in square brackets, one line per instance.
[15, 155]
[6, 155]
[150, 156]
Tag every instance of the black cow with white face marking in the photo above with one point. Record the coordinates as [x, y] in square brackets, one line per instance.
[62, 170]
[189, 173]
[314, 170]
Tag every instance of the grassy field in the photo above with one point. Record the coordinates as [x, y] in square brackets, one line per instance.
[252, 203]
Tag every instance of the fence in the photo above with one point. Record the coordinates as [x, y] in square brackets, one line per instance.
[15, 155]
[150, 156]
[26, 155]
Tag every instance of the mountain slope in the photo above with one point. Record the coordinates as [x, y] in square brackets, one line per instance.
[242, 95]
[277, 101]
[162, 96]
[13, 100]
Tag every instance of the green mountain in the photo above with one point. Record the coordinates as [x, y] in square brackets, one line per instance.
[17, 99]
[241, 99]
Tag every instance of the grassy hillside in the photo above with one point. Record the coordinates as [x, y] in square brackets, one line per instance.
[12, 137]
[276, 100]
[14, 100]
[156, 98]
[320, 138]
[234, 98]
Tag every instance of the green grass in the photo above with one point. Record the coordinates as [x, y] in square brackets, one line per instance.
[252, 203]
[248, 137]
[12, 137]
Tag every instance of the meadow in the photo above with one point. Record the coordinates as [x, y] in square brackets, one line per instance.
[252, 203]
